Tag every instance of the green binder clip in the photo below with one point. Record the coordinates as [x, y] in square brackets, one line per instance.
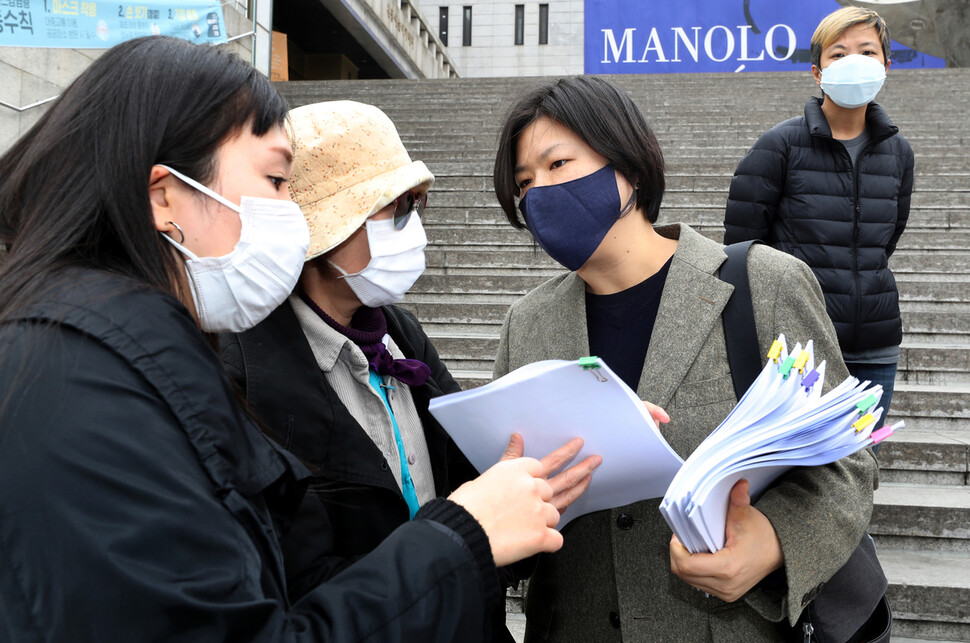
[866, 404]
[785, 368]
[592, 365]
[589, 362]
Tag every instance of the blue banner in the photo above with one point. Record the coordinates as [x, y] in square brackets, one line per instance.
[669, 36]
[82, 24]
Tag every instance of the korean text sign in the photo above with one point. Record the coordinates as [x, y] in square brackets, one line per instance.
[84, 24]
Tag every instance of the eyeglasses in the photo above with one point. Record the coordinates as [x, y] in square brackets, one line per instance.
[405, 204]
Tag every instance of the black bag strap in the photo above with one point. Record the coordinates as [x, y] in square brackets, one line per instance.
[856, 593]
[740, 333]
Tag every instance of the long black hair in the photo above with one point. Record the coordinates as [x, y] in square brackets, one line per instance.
[605, 118]
[74, 188]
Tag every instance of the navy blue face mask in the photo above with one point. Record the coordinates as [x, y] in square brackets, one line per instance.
[570, 220]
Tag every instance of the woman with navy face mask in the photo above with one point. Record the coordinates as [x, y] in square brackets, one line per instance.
[833, 188]
[578, 165]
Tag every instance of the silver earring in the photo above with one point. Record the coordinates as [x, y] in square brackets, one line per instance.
[177, 227]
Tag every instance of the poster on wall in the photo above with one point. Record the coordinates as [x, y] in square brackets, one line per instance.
[670, 36]
[83, 24]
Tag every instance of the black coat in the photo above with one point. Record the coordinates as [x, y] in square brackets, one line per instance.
[798, 191]
[354, 502]
[138, 503]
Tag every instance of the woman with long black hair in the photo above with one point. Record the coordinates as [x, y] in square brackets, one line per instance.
[146, 208]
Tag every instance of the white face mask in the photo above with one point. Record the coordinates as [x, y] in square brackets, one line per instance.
[853, 81]
[235, 292]
[396, 262]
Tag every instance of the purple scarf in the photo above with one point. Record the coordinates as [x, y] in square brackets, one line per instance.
[368, 327]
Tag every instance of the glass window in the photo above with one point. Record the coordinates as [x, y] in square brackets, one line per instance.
[443, 25]
[466, 26]
[519, 24]
[543, 24]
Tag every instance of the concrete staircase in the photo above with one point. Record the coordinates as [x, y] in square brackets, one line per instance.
[478, 265]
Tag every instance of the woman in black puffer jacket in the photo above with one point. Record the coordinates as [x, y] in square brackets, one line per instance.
[833, 188]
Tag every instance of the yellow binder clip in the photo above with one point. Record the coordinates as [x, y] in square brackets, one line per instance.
[775, 351]
[863, 422]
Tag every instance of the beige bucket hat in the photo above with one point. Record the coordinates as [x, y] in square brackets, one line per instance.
[348, 163]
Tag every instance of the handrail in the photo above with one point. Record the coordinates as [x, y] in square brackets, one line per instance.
[26, 107]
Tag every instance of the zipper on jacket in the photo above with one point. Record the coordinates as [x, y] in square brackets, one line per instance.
[807, 631]
[856, 233]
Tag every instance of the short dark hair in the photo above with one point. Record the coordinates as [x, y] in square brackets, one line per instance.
[841, 20]
[605, 118]
[74, 188]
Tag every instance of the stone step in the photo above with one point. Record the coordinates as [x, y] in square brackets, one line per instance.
[917, 456]
[492, 282]
[932, 517]
[933, 407]
[926, 262]
[925, 181]
[454, 347]
[929, 593]
[930, 154]
[929, 364]
[921, 364]
[933, 288]
[937, 171]
[522, 257]
[945, 322]
[923, 202]
[701, 159]
[912, 288]
[457, 312]
[928, 188]
[420, 124]
[499, 232]
[529, 256]
[472, 378]
[923, 217]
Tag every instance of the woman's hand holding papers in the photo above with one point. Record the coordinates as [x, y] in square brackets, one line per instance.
[658, 414]
[751, 552]
[517, 506]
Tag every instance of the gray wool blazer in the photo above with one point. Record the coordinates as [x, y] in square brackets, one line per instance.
[611, 581]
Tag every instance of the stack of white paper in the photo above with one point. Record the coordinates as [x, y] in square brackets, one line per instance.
[781, 421]
[551, 402]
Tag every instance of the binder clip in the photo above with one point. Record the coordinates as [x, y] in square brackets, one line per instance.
[592, 365]
[809, 380]
[775, 351]
[881, 434]
[863, 422]
[786, 366]
[866, 404]
[801, 361]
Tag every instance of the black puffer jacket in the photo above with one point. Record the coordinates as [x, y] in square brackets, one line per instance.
[797, 190]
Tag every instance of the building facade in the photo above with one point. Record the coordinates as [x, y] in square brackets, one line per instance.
[502, 39]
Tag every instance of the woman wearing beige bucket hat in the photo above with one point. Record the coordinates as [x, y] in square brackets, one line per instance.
[339, 375]
[138, 501]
